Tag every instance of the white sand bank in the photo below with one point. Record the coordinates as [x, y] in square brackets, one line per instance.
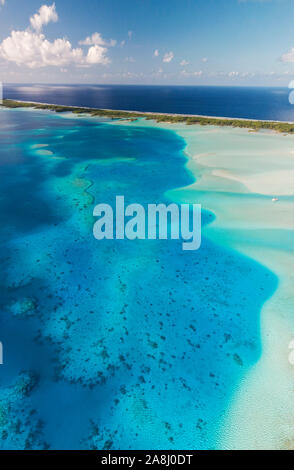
[238, 175]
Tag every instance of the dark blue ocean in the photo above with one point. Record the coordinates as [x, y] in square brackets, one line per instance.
[270, 103]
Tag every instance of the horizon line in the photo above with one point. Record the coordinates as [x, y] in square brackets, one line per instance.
[141, 85]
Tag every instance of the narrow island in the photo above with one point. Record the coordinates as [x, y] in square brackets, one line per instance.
[255, 125]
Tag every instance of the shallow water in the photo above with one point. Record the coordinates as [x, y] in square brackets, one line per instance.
[126, 344]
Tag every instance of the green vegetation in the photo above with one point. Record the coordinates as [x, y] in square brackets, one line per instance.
[284, 127]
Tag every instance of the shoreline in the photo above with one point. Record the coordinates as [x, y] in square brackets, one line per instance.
[189, 119]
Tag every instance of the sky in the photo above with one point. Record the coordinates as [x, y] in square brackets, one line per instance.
[181, 42]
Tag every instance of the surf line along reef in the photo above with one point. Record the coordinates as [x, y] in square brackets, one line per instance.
[135, 228]
[189, 119]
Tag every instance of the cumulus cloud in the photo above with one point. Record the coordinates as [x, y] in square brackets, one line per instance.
[97, 40]
[289, 56]
[168, 57]
[96, 55]
[31, 48]
[34, 50]
[45, 15]
[184, 63]
[156, 53]
[2, 2]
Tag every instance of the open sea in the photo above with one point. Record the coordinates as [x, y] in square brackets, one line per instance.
[270, 103]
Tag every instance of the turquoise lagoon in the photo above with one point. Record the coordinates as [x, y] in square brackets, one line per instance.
[113, 344]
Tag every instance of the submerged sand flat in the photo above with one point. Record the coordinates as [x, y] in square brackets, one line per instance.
[247, 180]
[238, 176]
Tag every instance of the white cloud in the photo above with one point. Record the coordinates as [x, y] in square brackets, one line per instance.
[96, 55]
[289, 56]
[233, 74]
[184, 63]
[204, 60]
[97, 40]
[192, 74]
[2, 2]
[32, 49]
[168, 57]
[156, 53]
[35, 51]
[45, 15]
[130, 34]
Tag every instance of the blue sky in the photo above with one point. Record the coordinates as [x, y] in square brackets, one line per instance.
[201, 42]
